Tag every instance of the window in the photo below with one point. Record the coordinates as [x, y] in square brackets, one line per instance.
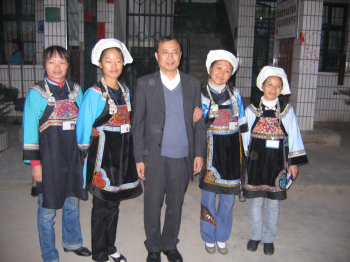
[17, 21]
[333, 36]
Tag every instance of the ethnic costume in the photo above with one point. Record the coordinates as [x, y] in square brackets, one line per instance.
[222, 174]
[272, 144]
[46, 139]
[49, 117]
[223, 111]
[267, 166]
[224, 152]
[103, 136]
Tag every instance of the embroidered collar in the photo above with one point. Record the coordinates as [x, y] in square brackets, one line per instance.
[60, 84]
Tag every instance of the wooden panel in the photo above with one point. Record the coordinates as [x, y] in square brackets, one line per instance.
[285, 60]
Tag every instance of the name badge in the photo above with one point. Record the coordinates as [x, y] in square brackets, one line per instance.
[232, 126]
[274, 144]
[68, 125]
[125, 128]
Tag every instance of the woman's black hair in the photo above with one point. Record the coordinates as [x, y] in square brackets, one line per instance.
[19, 43]
[167, 39]
[104, 51]
[62, 52]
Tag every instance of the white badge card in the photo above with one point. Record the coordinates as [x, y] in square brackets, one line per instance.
[68, 125]
[232, 125]
[125, 128]
[274, 144]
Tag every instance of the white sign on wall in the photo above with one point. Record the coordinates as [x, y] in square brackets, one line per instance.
[287, 19]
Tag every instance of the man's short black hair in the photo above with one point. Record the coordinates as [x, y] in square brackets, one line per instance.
[167, 39]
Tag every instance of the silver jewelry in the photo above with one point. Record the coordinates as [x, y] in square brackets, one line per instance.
[277, 112]
[233, 101]
[51, 99]
[214, 108]
[112, 106]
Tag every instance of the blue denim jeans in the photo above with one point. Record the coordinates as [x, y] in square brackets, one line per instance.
[220, 229]
[269, 231]
[71, 232]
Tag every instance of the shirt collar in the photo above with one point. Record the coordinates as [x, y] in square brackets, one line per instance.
[60, 84]
[170, 84]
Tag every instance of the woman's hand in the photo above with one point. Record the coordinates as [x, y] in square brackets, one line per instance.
[197, 114]
[294, 170]
[37, 173]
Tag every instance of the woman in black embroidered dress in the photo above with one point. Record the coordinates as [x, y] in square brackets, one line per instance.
[225, 120]
[50, 146]
[274, 148]
[103, 134]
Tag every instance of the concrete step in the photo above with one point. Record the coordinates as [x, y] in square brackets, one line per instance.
[320, 136]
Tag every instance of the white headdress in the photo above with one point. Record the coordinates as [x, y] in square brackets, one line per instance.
[108, 43]
[220, 54]
[268, 71]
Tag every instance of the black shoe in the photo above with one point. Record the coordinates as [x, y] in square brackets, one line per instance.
[252, 245]
[153, 257]
[119, 259]
[173, 255]
[81, 251]
[269, 248]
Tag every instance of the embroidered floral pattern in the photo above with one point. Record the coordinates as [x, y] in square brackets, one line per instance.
[222, 119]
[64, 110]
[95, 132]
[209, 177]
[283, 181]
[98, 180]
[207, 216]
[262, 129]
[118, 118]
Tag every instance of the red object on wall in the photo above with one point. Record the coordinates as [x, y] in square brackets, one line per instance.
[87, 16]
[80, 1]
[302, 38]
[110, 1]
[101, 31]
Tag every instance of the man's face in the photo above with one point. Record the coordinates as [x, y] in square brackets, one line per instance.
[168, 56]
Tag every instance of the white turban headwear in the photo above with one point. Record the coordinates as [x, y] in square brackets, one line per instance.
[268, 71]
[220, 54]
[109, 43]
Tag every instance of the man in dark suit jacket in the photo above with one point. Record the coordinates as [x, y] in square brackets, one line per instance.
[168, 145]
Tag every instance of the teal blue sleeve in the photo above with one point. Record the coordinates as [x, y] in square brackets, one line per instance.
[241, 114]
[205, 105]
[34, 108]
[79, 99]
[90, 109]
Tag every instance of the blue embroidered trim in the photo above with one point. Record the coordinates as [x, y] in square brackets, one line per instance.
[31, 146]
[218, 179]
[98, 168]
